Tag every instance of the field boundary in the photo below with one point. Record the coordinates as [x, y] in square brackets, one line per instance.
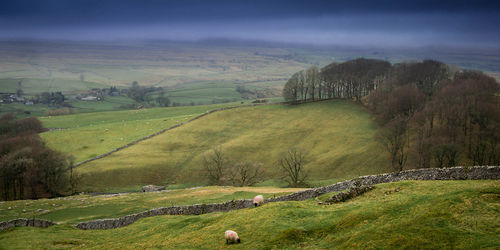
[454, 173]
[170, 128]
[23, 222]
[193, 119]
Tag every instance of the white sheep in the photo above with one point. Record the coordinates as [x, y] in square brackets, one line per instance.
[258, 200]
[231, 237]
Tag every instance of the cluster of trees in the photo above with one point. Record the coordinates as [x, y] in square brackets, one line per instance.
[351, 79]
[144, 94]
[430, 114]
[221, 171]
[50, 98]
[434, 118]
[29, 169]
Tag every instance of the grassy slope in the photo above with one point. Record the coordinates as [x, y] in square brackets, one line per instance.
[335, 134]
[73, 209]
[423, 214]
[91, 134]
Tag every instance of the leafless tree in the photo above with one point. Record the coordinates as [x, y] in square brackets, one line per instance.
[394, 137]
[292, 165]
[245, 173]
[214, 164]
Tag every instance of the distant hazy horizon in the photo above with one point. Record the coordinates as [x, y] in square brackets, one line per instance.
[387, 23]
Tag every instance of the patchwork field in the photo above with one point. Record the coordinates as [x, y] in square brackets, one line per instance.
[409, 214]
[90, 134]
[45, 65]
[333, 134]
[58, 65]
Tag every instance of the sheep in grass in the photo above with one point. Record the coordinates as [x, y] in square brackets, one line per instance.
[231, 237]
[258, 200]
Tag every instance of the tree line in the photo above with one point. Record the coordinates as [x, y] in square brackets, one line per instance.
[28, 168]
[430, 114]
[351, 79]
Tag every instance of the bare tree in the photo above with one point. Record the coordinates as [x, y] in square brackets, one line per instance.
[394, 137]
[245, 173]
[214, 164]
[292, 165]
[74, 177]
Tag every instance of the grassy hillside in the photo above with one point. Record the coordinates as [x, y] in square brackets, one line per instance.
[78, 208]
[422, 214]
[336, 135]
[90, 134]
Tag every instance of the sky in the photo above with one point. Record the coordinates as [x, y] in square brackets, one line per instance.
[358, 23]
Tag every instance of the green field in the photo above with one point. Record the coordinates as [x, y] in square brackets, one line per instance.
[108, 103]
[78, 208]
[422, 214]
[90, 134]
[336, 135]
[204, 93]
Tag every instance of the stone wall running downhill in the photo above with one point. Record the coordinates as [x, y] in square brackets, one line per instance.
[349, 194]
[170, 128]
[455, 173]
[22, 222]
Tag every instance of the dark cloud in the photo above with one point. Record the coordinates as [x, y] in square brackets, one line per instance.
[311, 21]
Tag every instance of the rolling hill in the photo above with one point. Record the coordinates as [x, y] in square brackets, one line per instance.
[337, 137]
[87, 135]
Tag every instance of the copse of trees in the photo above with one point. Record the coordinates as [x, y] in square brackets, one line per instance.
[144, 94]
[29, 169]
[430, 116]
[351, 79]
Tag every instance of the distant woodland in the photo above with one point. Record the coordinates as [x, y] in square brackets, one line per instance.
[430, 114]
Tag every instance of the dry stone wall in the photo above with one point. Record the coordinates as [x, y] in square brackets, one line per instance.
[455, 173]
[349, 194]
[22, 222]
[176, 210]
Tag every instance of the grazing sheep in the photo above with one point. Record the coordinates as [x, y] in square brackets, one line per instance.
[231, 237]
[258, 200]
